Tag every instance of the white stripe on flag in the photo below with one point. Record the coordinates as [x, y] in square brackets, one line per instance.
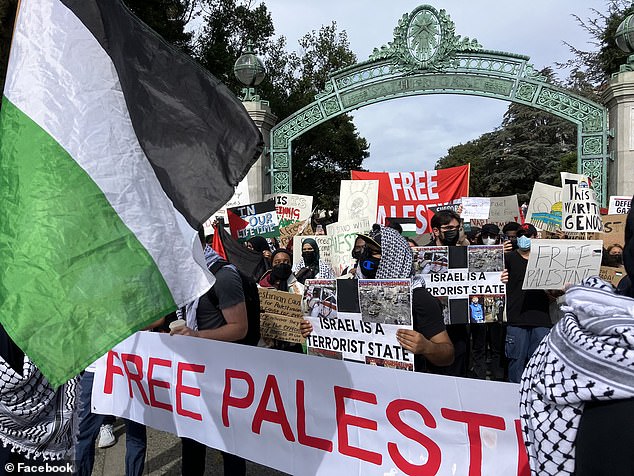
[63, 80]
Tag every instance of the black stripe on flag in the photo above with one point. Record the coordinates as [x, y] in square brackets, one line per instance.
[195, 132]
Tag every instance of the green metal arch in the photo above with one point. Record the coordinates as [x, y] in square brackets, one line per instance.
[426, 57]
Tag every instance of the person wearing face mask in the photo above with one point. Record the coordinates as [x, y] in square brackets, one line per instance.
[281, 276]
[614, 256]
[528, 315]
[446, 231]
[510, 235]
[310, 266]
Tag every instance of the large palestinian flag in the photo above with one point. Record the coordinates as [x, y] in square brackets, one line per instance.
[114, 149]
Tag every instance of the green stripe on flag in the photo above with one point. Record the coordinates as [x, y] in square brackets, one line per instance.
[74, 280]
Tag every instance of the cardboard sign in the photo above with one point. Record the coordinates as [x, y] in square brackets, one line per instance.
[357, 320]
[544, 208]
[292, 208]
[304, 415]
[612, 275]
[580, 210]
[504, 209]
[281, 315]
[553, 264]
[343, 234]
[358, 199]
[255, 219]
[466, 280]
[410, 194]
[273, 301]
[287, 233]
[619, 205]
[613, 230]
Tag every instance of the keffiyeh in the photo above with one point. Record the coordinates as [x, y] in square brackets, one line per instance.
[588, 356]
[35, 419]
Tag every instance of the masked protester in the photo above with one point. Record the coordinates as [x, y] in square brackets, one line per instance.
[446, 229]
[577, 393]
[259, 244]
[510, 235]
[387, 255]
[281, 276]
[310, 266]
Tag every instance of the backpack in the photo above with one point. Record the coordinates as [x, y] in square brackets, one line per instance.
[251, 301]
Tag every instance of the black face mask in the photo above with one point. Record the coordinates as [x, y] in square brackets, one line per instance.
[450, 237]
[309, 257]
[281, 271]
[357, 254]
[368, 263]
[614, 260]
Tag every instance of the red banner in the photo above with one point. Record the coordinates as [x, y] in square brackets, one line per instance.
[410, 194]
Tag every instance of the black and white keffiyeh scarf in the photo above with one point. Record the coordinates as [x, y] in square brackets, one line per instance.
[35, 419]
[397, 259]
[588, 356]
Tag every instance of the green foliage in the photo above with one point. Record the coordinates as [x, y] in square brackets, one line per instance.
[599, 64]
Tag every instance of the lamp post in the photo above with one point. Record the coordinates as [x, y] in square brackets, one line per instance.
[250, 71]
[624, 38]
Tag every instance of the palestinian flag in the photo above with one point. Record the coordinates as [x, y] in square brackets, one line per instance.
[114, 149]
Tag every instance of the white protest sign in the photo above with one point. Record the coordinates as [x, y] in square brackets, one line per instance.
[580, 209]
[343, 235]
[292, 208]
[465, 279]
[553, 264]
[475, 208]
[544, 209]
[358, 199]
[357, 320]
[619, 205]
[309, 416]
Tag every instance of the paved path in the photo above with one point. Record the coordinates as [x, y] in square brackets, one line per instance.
[163, 457]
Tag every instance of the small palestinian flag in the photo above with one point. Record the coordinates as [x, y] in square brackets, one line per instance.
[114, 149]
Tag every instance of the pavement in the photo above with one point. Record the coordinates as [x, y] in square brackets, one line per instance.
[163, 457]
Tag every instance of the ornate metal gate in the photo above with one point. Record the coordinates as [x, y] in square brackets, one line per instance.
[427, 57]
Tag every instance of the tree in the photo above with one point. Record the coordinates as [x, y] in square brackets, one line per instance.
[323, 156]
[598, 65]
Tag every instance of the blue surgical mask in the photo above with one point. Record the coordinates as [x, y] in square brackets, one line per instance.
[524, 243]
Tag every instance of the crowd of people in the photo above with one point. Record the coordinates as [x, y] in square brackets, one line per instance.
[495, 350]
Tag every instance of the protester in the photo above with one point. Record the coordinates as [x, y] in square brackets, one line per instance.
[281, 276]
[224, 321]
[412, 243]
[614, 256]
[310, 266]
[528, 315]
[510, 235]
[446, 231]
[387, 255]
[577, 393]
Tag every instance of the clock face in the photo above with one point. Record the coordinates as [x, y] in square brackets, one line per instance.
[423, 35]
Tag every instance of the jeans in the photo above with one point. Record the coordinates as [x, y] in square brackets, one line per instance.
[89, 424]
[194, 455]
[520, 344]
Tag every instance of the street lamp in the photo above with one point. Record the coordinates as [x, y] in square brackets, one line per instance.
[250, 71]
[624, 38]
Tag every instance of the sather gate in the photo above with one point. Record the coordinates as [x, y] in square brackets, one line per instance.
[427, 57]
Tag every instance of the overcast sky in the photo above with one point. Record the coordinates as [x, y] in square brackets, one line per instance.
[413, 133]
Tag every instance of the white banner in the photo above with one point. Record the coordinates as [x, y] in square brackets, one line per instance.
[619, 205]
[552, 264]
[475, 208]
[292, 208]
[309, 416]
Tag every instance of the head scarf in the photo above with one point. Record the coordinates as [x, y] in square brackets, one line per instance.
[320, 269]
[396, 256]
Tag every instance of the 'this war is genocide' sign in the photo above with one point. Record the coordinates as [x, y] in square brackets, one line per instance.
[466, 280]
[247, 221]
